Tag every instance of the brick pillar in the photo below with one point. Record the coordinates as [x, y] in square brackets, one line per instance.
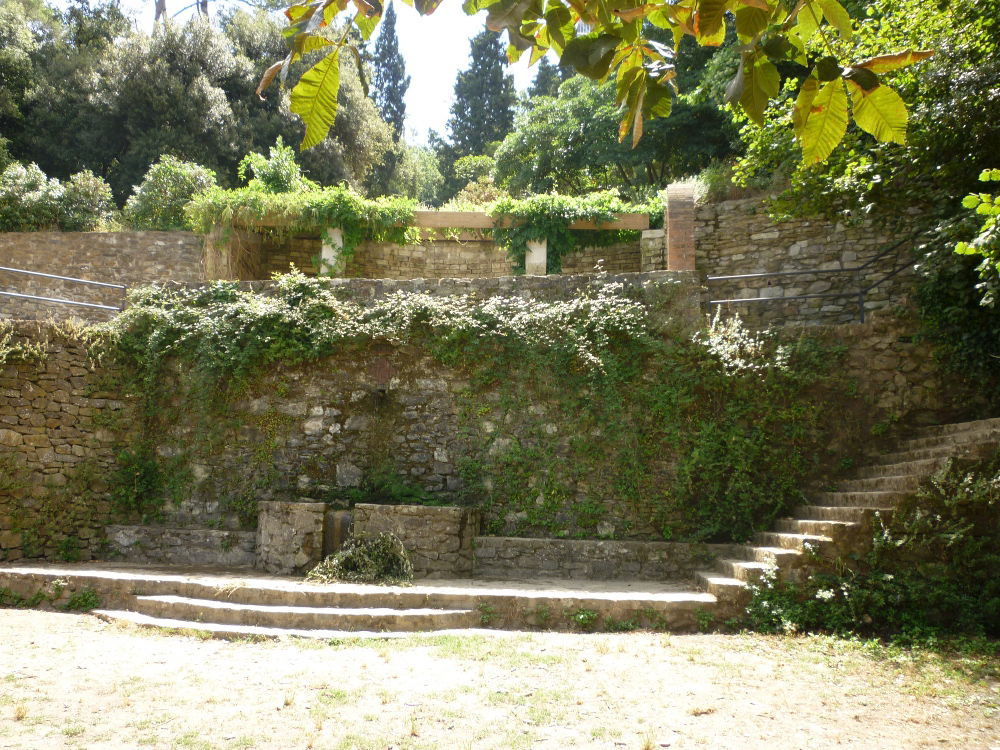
[678, 225]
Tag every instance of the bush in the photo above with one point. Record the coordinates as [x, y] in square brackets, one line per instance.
[365, 559]
[158, 203]
[278, 172]
[87, 203]
[30, 201]
[932, 569]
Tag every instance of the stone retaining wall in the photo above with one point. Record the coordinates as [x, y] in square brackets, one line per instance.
[513, 558]
[129, 258]
[168, 546]
[439, 539]
[289, 537]
[738, 237]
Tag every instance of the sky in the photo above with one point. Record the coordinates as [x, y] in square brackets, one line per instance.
[435, 48]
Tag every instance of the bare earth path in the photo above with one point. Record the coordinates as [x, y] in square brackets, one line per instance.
[74, 681]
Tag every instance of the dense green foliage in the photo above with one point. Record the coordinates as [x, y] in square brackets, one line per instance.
[389, 85]
[366, 559]
[80, 89]
[158, 201]
[932, 569]
[30, 201]
[987, 242]
[704, 439]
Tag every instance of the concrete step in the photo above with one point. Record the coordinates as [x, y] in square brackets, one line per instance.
[825, 528]
[889, 483]
[792, 541]
[957, 427]
[224, 631]
[305, 618]
[859, 499]
[851, 513]
[920, 468]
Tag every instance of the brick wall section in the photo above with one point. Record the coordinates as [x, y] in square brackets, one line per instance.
[679, 225]
[438, 539]
[55, 451]
[129, 258]
[738, 237]
[509, 557]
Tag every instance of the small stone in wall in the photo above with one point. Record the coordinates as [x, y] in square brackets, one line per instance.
[348, 475]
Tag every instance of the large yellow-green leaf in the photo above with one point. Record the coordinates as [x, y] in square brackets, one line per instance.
[839, 18]
[708, 22]
[885, 63]
[880, 112]
[803, 105]
[826, 123]
[314, 98]
[760, 84]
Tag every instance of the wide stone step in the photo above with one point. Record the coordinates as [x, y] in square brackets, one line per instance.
[849, 513]
[981, 434]
[824, 528]
[859, 499]
[778, 557]
[793, 541]
[919, 468]
[891, 483]
[957, 427]
[226, 631]
[329, 618]
[731, 591]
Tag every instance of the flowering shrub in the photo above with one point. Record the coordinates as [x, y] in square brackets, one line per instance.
[30, 201]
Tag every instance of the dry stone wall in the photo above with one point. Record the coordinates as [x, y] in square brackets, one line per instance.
[509, 557]
[128, 258]
[738, 237]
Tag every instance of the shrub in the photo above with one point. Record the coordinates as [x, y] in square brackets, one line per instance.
[29, 200]
[158, 203]
[87, 203]
[278, 172]
[366, 559]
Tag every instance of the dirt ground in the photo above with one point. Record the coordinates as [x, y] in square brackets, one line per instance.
[75, 681]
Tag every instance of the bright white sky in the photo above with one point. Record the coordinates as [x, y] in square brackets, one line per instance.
[434, 47]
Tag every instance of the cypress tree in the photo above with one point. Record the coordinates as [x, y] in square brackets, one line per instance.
[390, 81]
[483, 111]
[548, 78]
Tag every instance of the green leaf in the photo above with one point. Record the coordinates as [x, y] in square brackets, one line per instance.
[314, 98]
[803, 105]
[760, 84]
[591, 55]
[970, 201]
[750, 22]
[837, 16]
[880, 112]
[825, 124]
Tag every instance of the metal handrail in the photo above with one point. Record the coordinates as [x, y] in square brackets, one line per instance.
[60, 300]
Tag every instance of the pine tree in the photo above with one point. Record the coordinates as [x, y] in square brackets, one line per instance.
[483, 111]
[390, 80]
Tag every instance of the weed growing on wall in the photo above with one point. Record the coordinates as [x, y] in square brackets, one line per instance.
[586, 417]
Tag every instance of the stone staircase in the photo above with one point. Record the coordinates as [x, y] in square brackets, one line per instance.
[838, 522]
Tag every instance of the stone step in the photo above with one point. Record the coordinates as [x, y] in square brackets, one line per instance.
[939, 451]
[859, 499]
[890, 483]
[748, 571]
[226, 631]
[920, 468]
[731, 591]
[792, 541]
[957, 427]
[776, 557]
[979, 434]
[304, 618]
[819, 527]
[851, 513]
[552, 604]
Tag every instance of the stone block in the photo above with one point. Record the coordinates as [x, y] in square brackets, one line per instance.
[290, 536]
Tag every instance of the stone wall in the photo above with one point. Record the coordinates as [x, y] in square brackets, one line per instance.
[170, 546]
[128, 258]
[56, 451]
[438, 539]
[738, 237]
[289, 536]
[513, 558]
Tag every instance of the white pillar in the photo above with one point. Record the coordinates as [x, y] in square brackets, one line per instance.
[331, 259]
[536, 259]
